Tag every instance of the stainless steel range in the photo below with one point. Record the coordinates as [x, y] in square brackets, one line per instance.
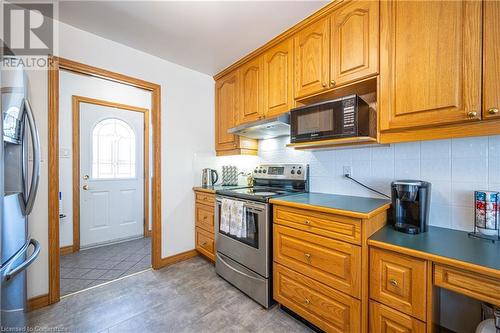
[245, 258]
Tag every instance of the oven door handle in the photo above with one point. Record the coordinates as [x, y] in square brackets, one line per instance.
[235, 270]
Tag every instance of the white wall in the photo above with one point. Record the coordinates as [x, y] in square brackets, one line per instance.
[187, 128]
[455, 168]
[81, 85]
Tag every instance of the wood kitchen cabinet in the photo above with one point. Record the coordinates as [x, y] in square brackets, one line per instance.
[491, 63]
[354, 42]
[251, 91]
[431, 69]
[339, 49]
[227, 103]
[204, 222]
[312, 58]
[278, 79]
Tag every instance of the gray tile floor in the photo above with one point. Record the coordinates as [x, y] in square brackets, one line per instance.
[185, 297]
[95, 266]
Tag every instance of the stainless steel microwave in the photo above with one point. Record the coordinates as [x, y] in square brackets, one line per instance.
[348, 116]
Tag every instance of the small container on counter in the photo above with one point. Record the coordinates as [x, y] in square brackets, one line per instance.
[486, 215]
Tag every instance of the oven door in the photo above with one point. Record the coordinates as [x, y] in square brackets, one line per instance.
[251, 251]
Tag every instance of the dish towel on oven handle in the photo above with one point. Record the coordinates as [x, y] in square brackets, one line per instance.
[237, 223]
[225, 215]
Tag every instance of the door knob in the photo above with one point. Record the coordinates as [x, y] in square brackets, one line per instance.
[493, 111]
[86, 177]
[85, 187]
[472, 114]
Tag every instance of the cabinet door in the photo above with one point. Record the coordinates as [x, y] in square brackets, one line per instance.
[431, 73]
[278, 79]
[383, 319]
[312, 58]
[355, 38]
[491, 62]
[251, 99]
[226, 91]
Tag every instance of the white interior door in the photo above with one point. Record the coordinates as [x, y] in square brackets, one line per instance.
[111, 174]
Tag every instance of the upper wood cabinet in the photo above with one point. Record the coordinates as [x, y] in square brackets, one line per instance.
[226, 100]
[312, 59]
[278, 78]
[355, 42]
[431, 68]
[491, 63]
[251, 91]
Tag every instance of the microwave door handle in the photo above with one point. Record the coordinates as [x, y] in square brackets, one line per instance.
[35, 174]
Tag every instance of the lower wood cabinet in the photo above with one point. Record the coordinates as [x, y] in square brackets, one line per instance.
[384, 319]
[335, 263]
[330, 310]
[204, 223]
[399, 281]
[205, 243]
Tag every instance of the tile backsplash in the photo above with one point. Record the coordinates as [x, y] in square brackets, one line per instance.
[455, 167]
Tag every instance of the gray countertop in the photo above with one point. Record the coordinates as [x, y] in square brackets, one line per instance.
[448, 243]
[335, 202]
[217, 187]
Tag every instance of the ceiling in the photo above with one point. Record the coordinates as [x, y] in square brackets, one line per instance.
[206, 36]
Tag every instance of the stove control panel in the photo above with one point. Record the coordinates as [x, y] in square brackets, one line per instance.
[282, 171]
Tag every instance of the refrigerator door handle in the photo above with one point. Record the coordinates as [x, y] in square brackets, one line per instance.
[35, 175]
[10, 272]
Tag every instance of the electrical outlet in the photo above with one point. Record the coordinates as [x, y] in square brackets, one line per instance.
[347, 170]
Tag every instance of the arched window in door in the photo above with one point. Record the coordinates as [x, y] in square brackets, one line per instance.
[113, 150]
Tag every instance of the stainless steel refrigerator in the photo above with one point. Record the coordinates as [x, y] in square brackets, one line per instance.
[20, 172]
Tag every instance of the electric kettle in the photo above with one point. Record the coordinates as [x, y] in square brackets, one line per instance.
[209, 177]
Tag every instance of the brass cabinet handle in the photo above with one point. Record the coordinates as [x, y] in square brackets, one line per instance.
[307, 301]
[204, 244]
[324, 84]
[493, 111]
[85, 187]
[204, 218]
[472, 114]
[393, 282]
[332, 82]
[308, 256]
[307, 222]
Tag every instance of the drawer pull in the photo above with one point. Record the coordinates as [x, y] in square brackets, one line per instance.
[204, 218]
[307, 301]
[204, 244]
[393, 282]
[307, 222]
[308, 256]
[493, 111]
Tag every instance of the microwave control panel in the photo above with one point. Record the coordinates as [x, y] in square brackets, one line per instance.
[349, 121]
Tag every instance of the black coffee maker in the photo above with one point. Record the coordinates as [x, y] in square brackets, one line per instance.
[410, 205]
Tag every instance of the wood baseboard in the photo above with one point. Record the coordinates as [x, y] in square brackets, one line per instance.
[38, 302]
[66, 250]
[177, 258]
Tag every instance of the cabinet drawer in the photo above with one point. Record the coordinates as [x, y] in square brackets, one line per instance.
[398, 281]
[205, 243]
[335, 263]
[383, 319]
[205, 217]
[335, 226]
[205, 198]
[330, 310]
[475, 285]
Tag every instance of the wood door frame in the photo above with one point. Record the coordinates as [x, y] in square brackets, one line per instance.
[76, 102]
[56, 65]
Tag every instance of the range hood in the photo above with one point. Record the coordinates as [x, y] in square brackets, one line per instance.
[264, 129]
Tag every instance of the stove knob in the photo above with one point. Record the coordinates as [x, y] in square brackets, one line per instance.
[299, 172]
[255, 170]
[264, 171]
[260, 171]
[292, 172]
